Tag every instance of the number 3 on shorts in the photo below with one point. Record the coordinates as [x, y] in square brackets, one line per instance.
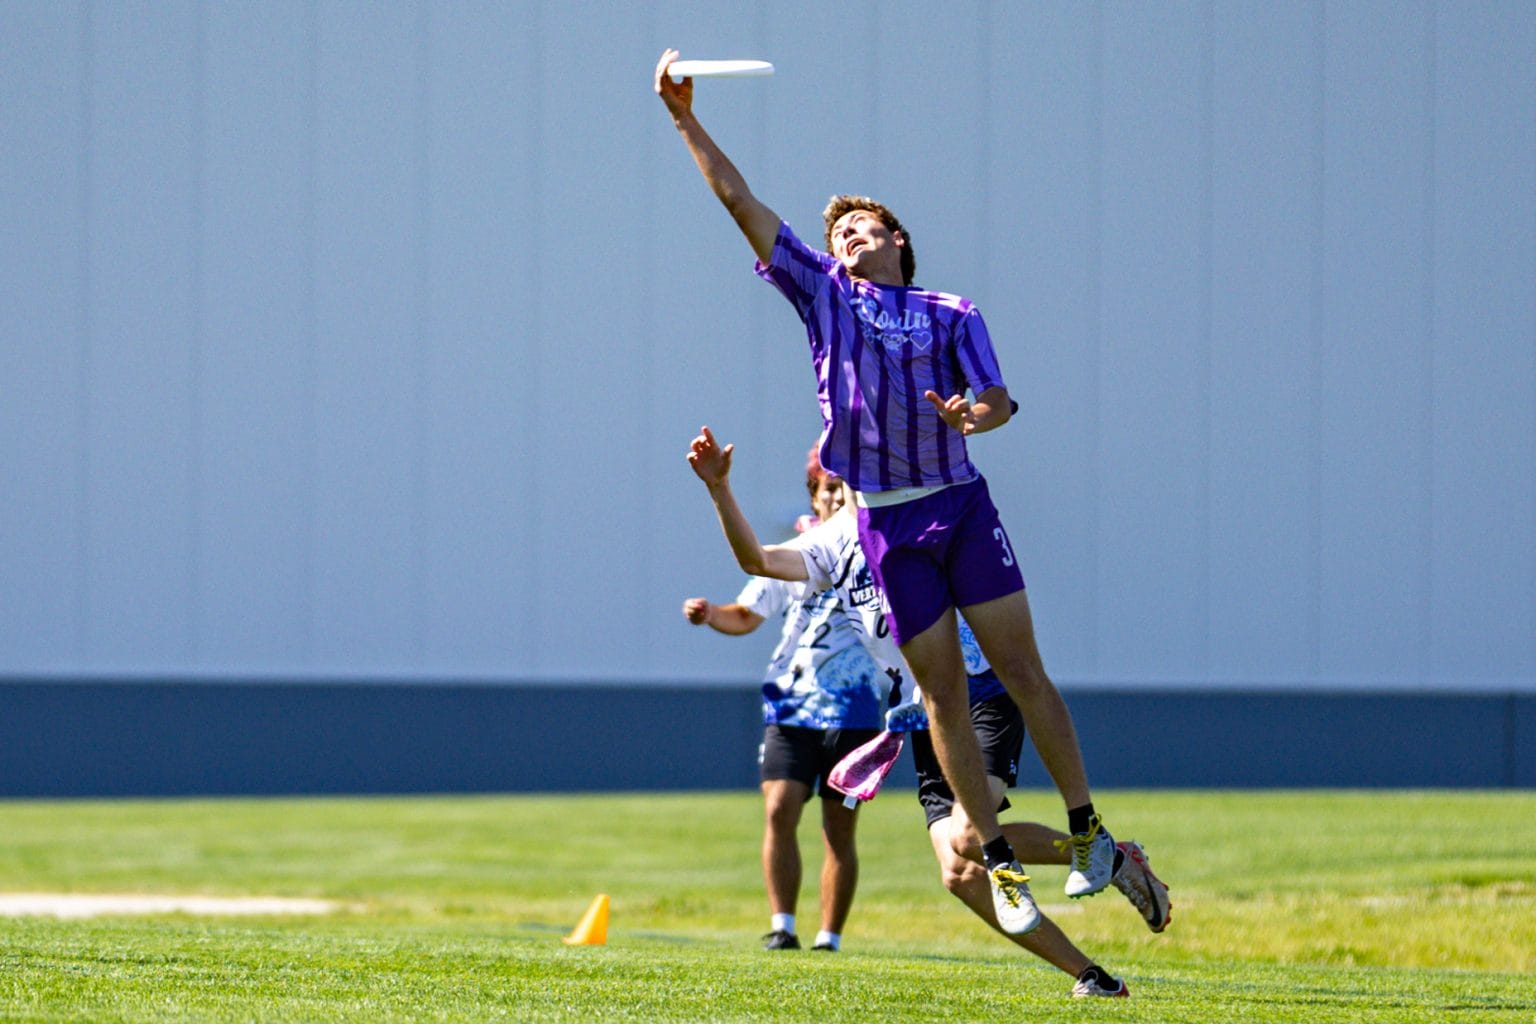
[1002, 538]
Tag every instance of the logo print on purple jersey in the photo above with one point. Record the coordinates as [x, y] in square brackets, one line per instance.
[894, 332]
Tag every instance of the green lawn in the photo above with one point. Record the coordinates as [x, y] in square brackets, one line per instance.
[1304, 906]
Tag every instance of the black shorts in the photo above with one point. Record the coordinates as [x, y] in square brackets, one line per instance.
[999, 727]
[808, 755]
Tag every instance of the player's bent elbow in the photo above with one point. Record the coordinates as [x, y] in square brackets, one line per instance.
[774, 562]
[1002, 407]
[753, 565]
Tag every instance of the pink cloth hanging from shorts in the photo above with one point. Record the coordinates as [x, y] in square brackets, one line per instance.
[859, 775]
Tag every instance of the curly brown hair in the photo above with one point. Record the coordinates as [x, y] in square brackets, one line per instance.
[841, 205]
[815, 472]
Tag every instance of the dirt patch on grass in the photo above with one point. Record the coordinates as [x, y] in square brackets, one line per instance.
[76, 905]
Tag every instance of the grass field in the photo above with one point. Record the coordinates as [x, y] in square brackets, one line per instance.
[1307, 907]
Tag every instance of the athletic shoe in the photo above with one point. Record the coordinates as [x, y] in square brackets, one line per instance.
[1093, 859]
[781, 940]
[1094, 982]
[1144, 889]
[1015, 907]
[824, 947]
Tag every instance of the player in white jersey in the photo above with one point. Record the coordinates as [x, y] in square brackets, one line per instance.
[834, 562]
[822, 698]
[828, 557]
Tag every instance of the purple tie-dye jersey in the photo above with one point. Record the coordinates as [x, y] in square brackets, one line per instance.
[876, 349]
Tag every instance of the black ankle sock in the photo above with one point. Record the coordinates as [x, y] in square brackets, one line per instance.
[998, 851]
[1100, 975]
[1080, 819]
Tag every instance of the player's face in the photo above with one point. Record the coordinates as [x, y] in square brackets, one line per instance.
[865, 246]
[829, 497]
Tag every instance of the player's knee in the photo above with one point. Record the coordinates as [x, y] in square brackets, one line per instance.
[957, 873]
[1023, 675]
[840, 843]
[782, 813]
[784, 824]
[947, 693]
[963, 841]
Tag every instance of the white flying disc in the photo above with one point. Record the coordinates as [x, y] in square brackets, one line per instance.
[681, 69]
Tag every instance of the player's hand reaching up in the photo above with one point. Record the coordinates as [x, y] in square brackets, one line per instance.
[678, 96]
[710, 462]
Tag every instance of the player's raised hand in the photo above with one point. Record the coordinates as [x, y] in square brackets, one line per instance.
[678, 96]
[710, 462]
[956, 411]
[696, 610]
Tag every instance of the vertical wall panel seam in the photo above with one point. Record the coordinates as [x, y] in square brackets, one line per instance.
[1207, 301]
[1095, 331]
[1530, 143]
[984, 153]
[1317, 328]
[310, 434]
[872, 123]
[765, 414]
[198, 510]
[540, 314]
[1429, 369]
[85, 329]
[647, 561]
[422, 320]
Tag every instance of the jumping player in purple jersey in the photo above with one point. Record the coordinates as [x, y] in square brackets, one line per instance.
[828, 556]
[894, 364]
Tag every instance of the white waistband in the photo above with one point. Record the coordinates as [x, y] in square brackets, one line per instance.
[896, 496]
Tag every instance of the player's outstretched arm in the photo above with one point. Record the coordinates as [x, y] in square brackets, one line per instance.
[712, 464]
[731, 619]
[756, 221]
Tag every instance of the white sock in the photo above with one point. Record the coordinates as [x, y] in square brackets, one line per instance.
[783, 923]
[826, 938]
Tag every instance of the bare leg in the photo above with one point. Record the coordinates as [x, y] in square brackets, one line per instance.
[967, 880]
[1032, 842]
[1006, 632]
[934, 656]
[783, 800]
[840, 867]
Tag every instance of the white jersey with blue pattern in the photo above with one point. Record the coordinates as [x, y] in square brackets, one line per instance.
[834, 563]
[820, 676]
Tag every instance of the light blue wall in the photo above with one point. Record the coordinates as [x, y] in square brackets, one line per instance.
[365, 340]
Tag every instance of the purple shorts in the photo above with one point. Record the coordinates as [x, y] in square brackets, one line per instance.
[944, 550]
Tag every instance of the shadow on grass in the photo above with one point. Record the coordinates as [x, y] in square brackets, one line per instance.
[667, 938]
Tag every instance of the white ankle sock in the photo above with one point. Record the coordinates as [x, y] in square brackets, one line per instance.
[826, 938]
[783, 923]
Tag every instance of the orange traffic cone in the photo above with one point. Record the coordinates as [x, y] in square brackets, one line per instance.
[593, 929]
